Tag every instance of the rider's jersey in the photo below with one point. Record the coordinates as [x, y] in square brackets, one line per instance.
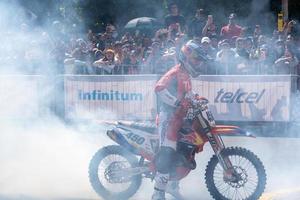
[177, 82]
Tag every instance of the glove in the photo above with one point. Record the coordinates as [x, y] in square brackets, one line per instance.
[184, 103]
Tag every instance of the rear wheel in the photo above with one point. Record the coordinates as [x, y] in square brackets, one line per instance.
[106, 177]
[247, 181]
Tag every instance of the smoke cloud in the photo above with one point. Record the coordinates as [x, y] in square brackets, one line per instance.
[43, 158]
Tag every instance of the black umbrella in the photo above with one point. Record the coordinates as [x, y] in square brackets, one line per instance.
[143, 23]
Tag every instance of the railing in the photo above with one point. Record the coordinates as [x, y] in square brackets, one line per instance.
[255, 68]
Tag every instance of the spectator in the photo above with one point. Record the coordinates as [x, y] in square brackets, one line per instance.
[91, 38]
[153, 55]
[174, 20]
[262, 39]
[290, 28]
[166, 55]
[80, 59]
[206, 45]
[266, 60]
[290, 40]
[288, 62]
[110, 33]
[209, 29]
[276, 35]
[74, 65]
[127, 37]
[256, 33]
[240, 50]
[106, 39]
[231, 29]
[279, 49]
[162, 36]
[224, 58]
[119, 57]
[132, 64]
[241, 57]
[251, 52]
[107, 63]
[249, 46]
[146, 44]
[197, 24]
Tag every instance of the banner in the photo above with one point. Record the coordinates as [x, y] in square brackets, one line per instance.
[19, 97]
[232, 98]
[110, 97]
[247, 98]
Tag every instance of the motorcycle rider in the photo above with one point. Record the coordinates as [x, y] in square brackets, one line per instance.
[171, 90]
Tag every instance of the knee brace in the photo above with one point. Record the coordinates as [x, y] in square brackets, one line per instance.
[164, 159]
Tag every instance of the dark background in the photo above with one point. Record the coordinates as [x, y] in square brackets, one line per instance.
[95, 14]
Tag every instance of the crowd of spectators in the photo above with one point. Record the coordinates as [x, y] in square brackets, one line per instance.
[233, 48]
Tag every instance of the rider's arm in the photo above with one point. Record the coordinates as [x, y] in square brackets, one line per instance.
[168, 98]
[162, 86]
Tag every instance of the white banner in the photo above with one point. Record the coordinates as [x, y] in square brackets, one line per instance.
[232, 98]
[110, 97]
[19, 97]
[247, 98]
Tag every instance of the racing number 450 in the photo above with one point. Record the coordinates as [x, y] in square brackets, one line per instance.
[135, 138]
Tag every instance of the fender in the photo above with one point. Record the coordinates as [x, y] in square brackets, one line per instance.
[230, 130]
[119, 138]
[116, 136]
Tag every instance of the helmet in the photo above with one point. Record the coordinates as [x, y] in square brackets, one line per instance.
[193, 58]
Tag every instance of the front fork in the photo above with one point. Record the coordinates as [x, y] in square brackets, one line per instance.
[217, 144]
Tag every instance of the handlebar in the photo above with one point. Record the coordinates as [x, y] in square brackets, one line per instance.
[196, 100]
[199, 105]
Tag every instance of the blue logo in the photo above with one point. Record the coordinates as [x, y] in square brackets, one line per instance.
[98, 95]
[239, 96]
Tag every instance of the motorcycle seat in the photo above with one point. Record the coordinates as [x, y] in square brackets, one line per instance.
[143, 126]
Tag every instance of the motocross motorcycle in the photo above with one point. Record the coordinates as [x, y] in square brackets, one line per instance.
[233, 173]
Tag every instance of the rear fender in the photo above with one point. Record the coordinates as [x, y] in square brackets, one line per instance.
[119, 138]
[230, 130]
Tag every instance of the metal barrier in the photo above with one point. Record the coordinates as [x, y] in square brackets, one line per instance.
[254, 68]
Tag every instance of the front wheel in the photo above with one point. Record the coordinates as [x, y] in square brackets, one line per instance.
[107, 173]
[249, 176]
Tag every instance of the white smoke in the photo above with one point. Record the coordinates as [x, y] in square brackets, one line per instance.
[40, 156]
[43, 158]
[46, 159]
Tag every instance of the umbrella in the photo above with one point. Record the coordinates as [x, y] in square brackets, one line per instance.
[142, 23]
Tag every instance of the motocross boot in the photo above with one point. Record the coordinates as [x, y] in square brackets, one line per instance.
[173, 189]
[158, 195]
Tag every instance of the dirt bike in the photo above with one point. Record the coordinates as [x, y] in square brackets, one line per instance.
[234, 173]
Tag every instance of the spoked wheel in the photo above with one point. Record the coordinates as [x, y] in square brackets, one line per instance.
[107, 173]
[246, 180]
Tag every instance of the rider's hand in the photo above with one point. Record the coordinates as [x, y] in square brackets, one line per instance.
[185, 103]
